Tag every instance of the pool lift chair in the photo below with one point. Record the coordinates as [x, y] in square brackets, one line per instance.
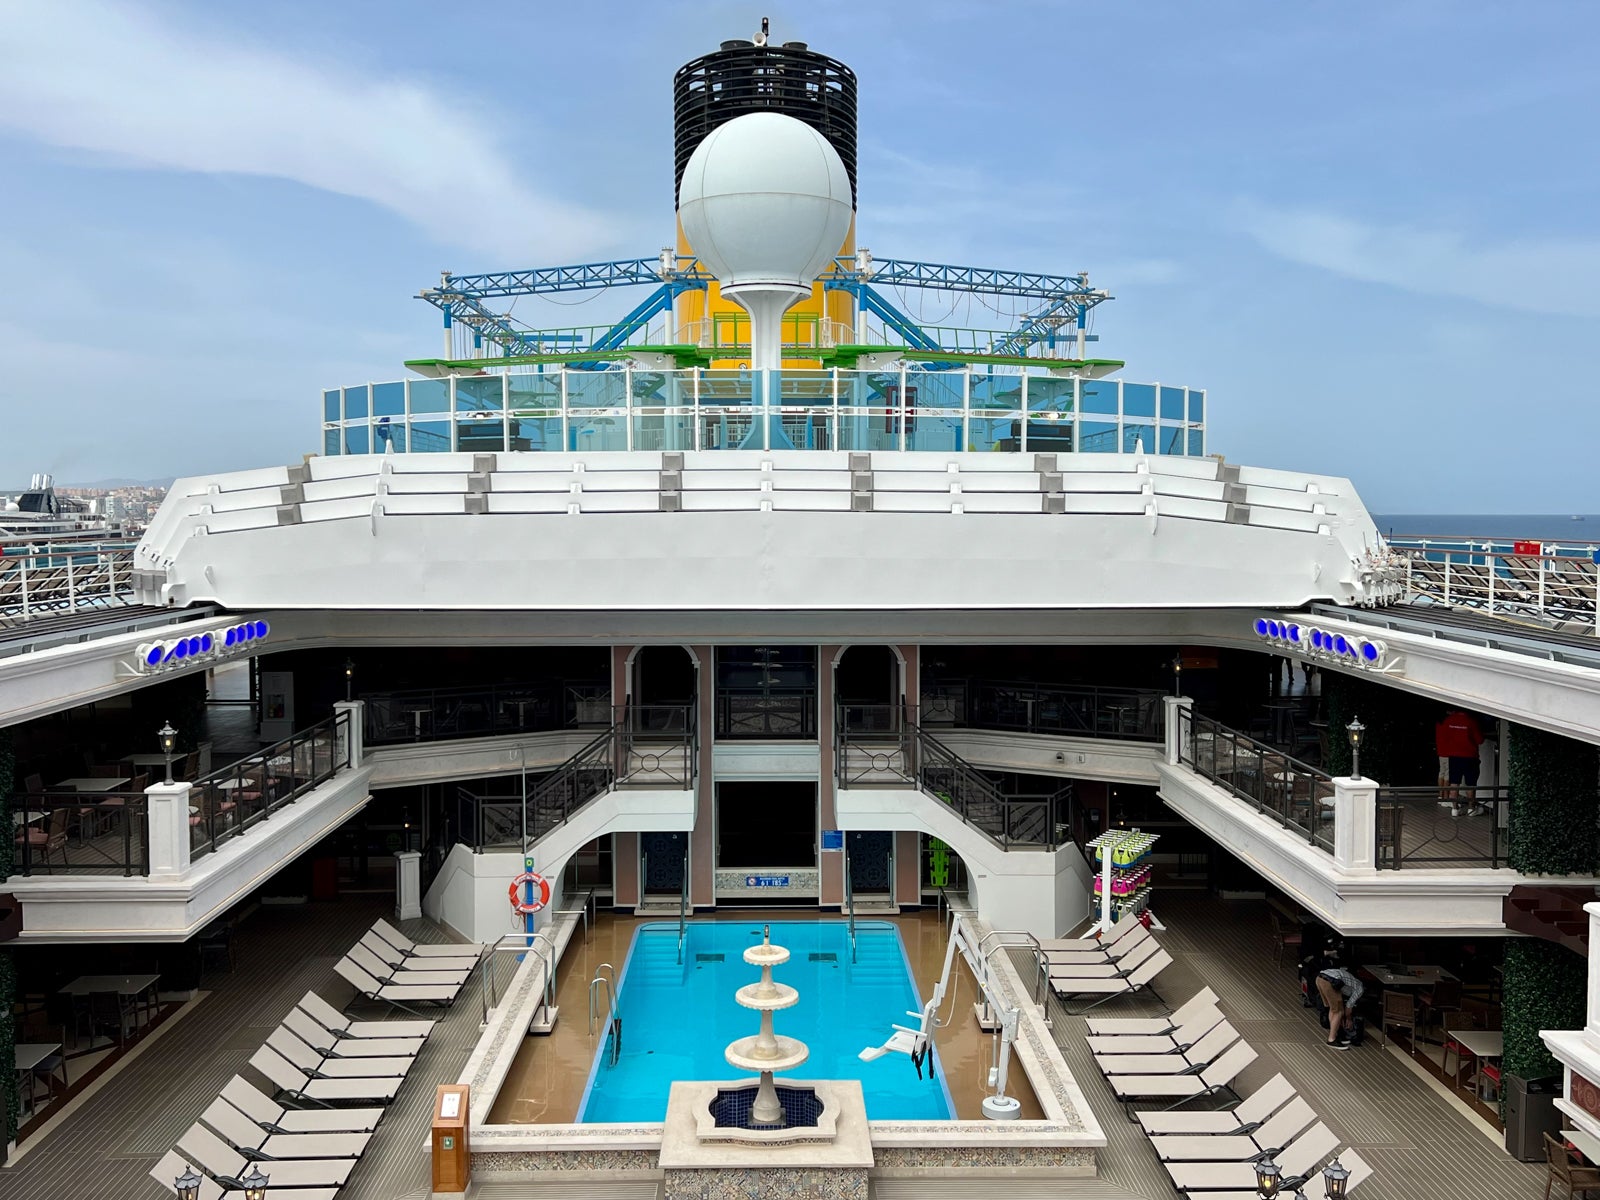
[917, 1043]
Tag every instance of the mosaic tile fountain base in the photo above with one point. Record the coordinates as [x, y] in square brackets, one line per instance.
[766, 1183]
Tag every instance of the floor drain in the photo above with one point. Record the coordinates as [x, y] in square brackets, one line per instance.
[815, 957]
[710, 958]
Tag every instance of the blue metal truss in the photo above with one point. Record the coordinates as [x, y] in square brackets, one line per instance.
[871, 300]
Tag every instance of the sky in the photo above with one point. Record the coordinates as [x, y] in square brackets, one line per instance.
[1371, 230]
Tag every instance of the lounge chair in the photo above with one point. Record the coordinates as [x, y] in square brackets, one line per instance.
[250, 1140]
[1212, 1080]
[320, 1040]
[1181, 1016]
[422, 949]
[1246, 1117]
[1104, 967]
[399, 995]
[225, 1164]
[1112, 986]
[384, 973]
[1111, 953]
[1315, 1188]
[1301, 1157]
[173, 1164]
[341, 1026]
[319, 1066]
[1122, 927]
[398, 960]
[1157, 1043]
[1172, 1062]
[1274, 1134]
[298, 1086]
[274, 1118]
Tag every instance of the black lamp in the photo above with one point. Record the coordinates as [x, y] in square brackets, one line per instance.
[187, 1185]
[1335, 1178]
[169, 742]
[255, 1184]
[1355, 729]
[349, 677]
[1269, 1175]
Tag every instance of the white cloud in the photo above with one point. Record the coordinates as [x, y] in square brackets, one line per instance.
[1543, 275]
[101, 76]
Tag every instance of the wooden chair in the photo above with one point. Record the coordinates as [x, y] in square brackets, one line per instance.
[1565, 1171]
[1283, 941]
[41, 844]
[1400, 1012]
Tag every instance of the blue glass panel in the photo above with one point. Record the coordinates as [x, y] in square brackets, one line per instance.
[1139, 399]
[1171, 404]
[663, 431]
[388, 399]
[479, 393]
[430, 437]
[597, 389]
[933, 433]
[1138, 437]
[1050, 434]
[1197, 405]
[536, 433]
[1051, 395]
[429, 395]
[935, 389]
[997, 391]
[355, 437]
[812, 389]
[330, 406]
[535, 393]
[388, 434]
[330, 440]
[1171, 439]
[726, 427]
[991, 433]
[1099, 396]
[808, 430]
[867, 389]
[1097, 437]
[355, 402]
[598, 432]
[1197, 443]
[869, 431]
[481, 437]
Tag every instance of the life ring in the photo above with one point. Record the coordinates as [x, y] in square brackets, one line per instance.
[541, 893]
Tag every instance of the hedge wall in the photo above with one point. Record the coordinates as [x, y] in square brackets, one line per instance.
[1398, 734]
[1545, 988]
[1555, 806]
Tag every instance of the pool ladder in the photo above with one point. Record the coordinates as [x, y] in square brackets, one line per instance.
[604, 982]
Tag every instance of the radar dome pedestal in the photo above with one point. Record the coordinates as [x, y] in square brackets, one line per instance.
[765, 201]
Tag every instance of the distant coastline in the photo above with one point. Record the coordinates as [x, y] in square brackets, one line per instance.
[1545, 527]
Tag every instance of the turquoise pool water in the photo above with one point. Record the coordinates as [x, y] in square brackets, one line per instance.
[678, 1018]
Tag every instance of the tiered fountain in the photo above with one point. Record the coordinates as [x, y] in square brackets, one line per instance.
[766, 1052]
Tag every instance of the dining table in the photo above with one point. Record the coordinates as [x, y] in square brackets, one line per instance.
[141, 988]
[1391, 975]
[1481, 1044]
[28, 1057]
[144, 760]
[21, 818]
[92, 783]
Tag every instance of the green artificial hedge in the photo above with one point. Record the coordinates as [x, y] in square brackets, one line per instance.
[1384, 712]
[8, 973]
[1555, 807]
[1546, 987]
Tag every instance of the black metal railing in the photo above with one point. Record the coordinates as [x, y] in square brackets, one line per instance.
[226, 803]
[1454, 825]
[1293, 793]
[766, 714]
[98, 833]
[647, 745]
[441, 714]
[1133, 714]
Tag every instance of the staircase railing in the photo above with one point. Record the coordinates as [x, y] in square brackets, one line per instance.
[683, 907]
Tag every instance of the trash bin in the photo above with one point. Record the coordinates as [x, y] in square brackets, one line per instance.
[1530, 1114]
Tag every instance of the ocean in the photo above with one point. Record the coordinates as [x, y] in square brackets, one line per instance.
[1497, 527]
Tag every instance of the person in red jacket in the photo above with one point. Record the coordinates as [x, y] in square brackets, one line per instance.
[1457, 739]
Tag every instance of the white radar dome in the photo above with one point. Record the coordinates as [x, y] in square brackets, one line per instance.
[765, 200]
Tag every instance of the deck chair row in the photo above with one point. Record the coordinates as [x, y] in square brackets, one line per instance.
[1124, 962]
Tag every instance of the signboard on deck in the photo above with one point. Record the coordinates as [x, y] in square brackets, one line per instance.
[766, 881]
[833, 839]
[1533, 548]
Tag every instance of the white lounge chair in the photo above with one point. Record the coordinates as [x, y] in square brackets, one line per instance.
[1157, 1043]
[173, 1164]
[250, 1140]
[1105, 967]
[384, 973]
[1301, 1157]
[1171, 1062]
[1122, 927]
[1113, 986]
[1274, 1135]
[225, 1164]
[1245, 1117]
[298, 1086]
[424, 949]
[1315, 1188]
[275, 1118]
[1112, 953]
[402, 996]
[319, 1066]
[320, 1040]
[1181, 1016]
[1212, 1080]
[341, 1026]
[398, 960]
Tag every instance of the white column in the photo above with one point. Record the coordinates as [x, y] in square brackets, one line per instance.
[167, 828]
[357, 711]
[1177, 713]
[1355, 824]
[407, 885]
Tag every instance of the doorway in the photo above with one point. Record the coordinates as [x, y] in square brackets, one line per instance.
[664, 685]
[663, 862]
[871, 863]
[767, 824]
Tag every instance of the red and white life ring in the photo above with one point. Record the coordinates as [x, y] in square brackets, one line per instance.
[541, 893]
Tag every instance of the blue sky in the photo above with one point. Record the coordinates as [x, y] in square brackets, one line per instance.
[1370, 229]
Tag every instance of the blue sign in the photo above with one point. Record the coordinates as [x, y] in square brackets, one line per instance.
[833, 839]
[766, 881]
[1595, 558]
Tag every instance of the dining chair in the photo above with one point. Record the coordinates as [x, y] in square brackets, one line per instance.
[47, 1067]
[109, 1010]
[1283, 940]
[1565, 1171]
[1400, 1012]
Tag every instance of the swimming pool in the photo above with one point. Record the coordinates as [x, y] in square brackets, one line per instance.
[678, 1018]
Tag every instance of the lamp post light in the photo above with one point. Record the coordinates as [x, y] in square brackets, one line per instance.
[1335, 1178]
[1355, 729]
[187, 1185]
[1269, 1176]
[169, 742]
[255, 1184]
[349, 677]
[1177, 673]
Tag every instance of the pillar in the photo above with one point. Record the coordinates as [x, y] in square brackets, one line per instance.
[352, 734]
[1355, 824]
[1175, 724]
[703, 841]
[407, 885]
[831, 868]
[167, 829]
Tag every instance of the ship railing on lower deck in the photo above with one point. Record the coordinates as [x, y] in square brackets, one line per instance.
[1444, 825]
[1295, 794]
[1070, 710]
[50, 580]
[1555, 582]
[80, 833]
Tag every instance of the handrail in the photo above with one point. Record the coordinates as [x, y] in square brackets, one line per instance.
[1444, 824]
[1071, 710]
[488, 992]
[1277, 784]
[683, 906]
[605, 976]
[849, 900]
